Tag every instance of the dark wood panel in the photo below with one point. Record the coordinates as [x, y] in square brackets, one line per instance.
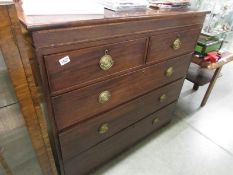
[84, 135]
[82, 45]
[84, 64]
[75, 106]
[161, 46]
[106, 150]
[56, 37]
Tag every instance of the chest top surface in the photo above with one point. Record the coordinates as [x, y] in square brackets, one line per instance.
[35, 23]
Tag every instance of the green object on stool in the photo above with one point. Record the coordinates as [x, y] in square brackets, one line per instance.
[207, 43]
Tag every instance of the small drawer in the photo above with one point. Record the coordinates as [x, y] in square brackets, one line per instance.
[89, 133]
[78, 105]
[102, 152]
[82, 66]
[168, 45]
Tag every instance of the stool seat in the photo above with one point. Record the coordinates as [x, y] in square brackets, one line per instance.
[199, 76]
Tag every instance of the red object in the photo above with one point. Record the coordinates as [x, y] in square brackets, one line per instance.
[212, 56]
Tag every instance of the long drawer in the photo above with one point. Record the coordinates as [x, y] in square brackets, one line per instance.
[89, 133]
[76, 67]
[81, 104]
[107, 149]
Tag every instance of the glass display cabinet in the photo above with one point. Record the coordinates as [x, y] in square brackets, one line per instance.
[219, 23]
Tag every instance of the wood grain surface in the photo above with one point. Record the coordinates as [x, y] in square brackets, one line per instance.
[73, 107]
[17, 57]
[85, 135]
[87, 33]
[161, 45]
[39, 22]
[110, 148]
[72, 93]
[84, 63]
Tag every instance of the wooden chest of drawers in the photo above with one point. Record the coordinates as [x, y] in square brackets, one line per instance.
[109, 80]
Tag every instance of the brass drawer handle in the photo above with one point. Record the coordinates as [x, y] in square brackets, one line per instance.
[104, 128]
[169, 72]
[104, 96]
[162, 98]
[176, 44]
[106, 61]
[155, 121]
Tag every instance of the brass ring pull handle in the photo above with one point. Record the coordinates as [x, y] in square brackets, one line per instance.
[104, 128]
[176, 44]
[155, 121]
[162, 98]
[106, 61]
[104, 96]
[169, 72]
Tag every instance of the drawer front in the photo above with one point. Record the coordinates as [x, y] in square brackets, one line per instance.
[169, 45]
[107, 149]
[81, 104]
[93, 63]
[89, 133]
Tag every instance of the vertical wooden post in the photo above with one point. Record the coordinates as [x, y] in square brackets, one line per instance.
[211, 85]
[18, 55]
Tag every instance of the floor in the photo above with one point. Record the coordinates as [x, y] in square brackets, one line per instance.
[199, 141]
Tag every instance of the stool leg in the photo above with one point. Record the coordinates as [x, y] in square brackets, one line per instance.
[211, 85]
[195, 87]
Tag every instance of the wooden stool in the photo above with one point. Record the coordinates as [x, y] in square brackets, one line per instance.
[201, 73]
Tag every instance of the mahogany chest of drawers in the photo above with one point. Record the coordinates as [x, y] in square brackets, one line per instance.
[110, 80]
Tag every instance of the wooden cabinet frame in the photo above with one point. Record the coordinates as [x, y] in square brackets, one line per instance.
[18, 55]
